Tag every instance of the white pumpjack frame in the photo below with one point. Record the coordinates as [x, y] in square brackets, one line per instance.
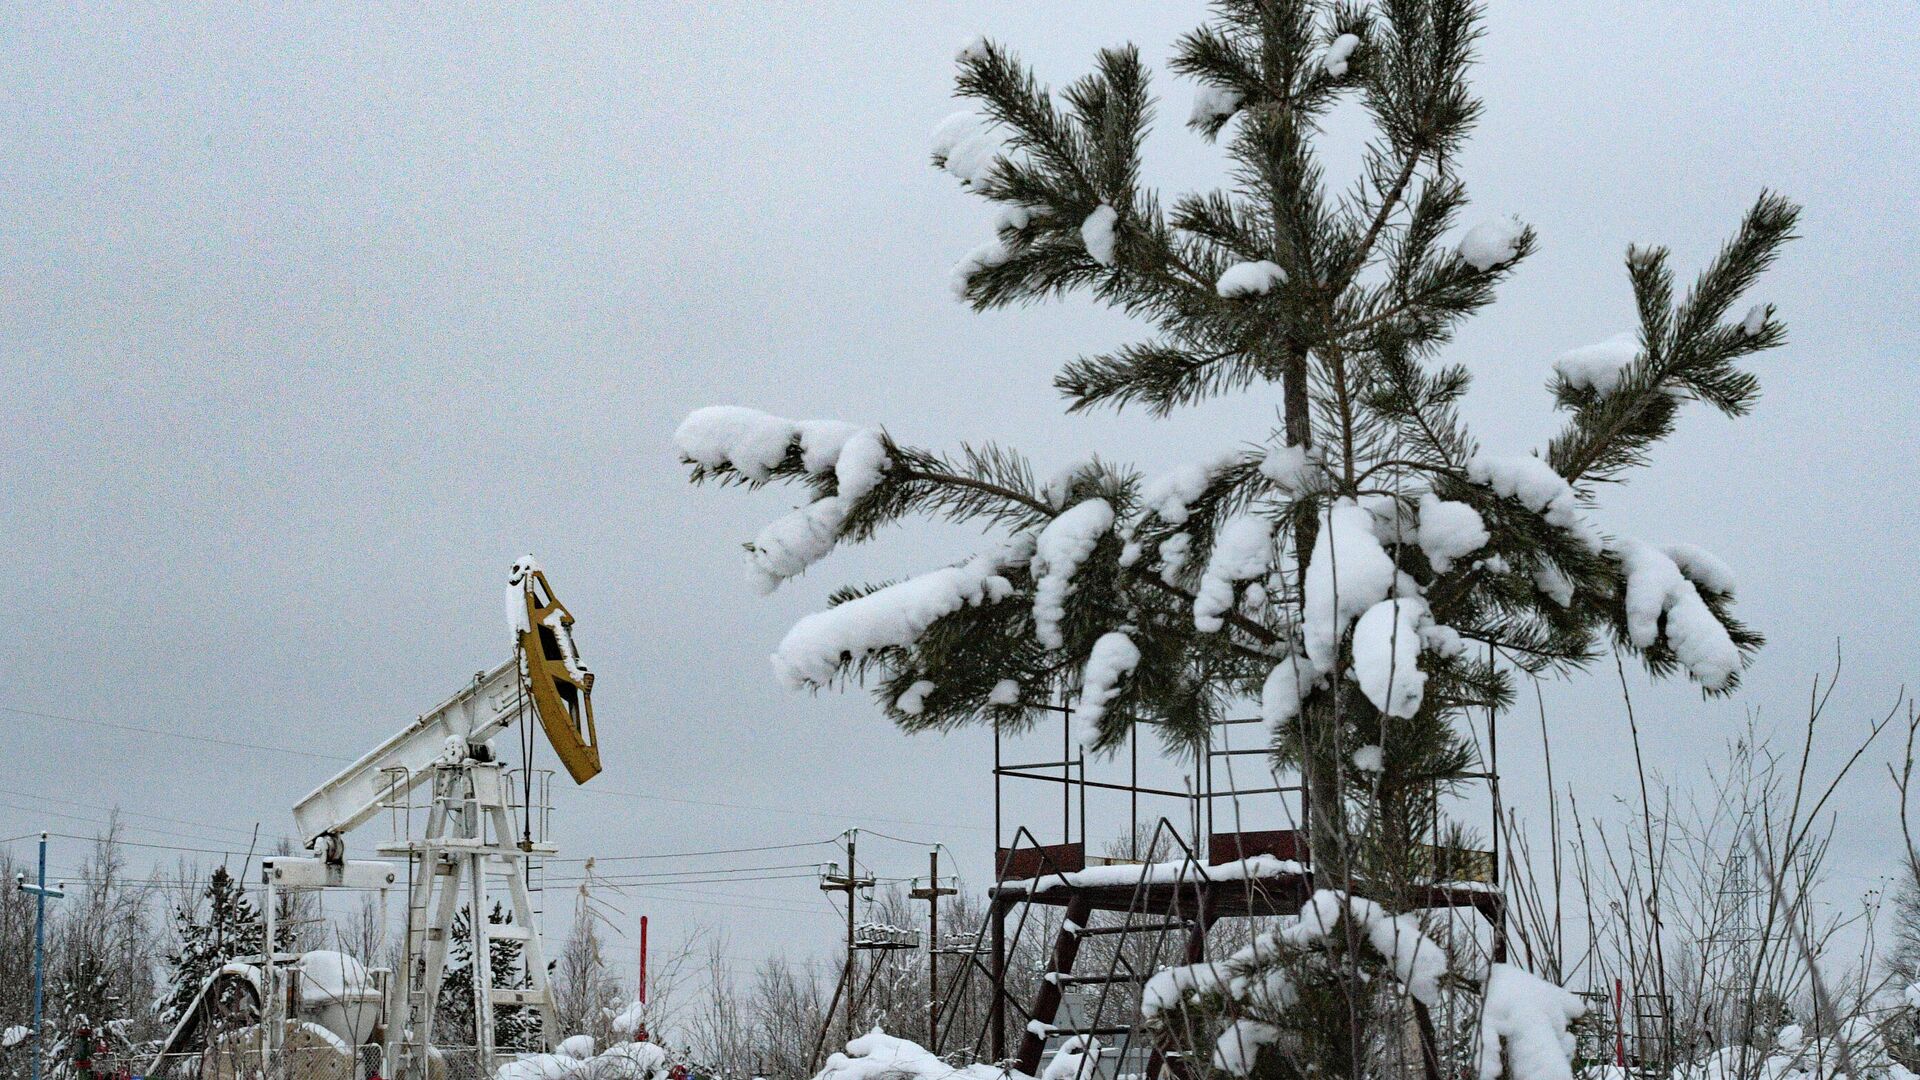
[467, 843]
[467, 839]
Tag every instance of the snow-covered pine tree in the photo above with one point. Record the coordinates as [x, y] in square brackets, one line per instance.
[230, 927]
[1366, 572]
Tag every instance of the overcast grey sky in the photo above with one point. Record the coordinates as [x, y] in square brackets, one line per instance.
[315, 318]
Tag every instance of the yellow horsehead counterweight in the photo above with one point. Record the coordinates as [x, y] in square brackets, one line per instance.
[560, 686]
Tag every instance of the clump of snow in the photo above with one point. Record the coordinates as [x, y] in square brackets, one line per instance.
[1334, 60]
[538, 1067]
[914, 701]
[1491, 243]
[1755, 321]
[966, 145]
[1417, 962]
[1369, 758]
[896, 615]
[1113, 657]
[14, 1035]
[1237, 1046]
[1529, 1016]
[630, 1061]
[1702, 567]
[1214, 103]
[1600, 366]
[1541, 490]
[1280, 696]
[1004, 692]
[879, 1056]
[1059, 487]
[975, 49]
[1348, 573]
[1173, 985]
[1097, 233]
[1078, 1058]
[1656, 589]
[1287, 467]
[755, 443]
[1449, 530]
[1175, 550]
[1249, 279]
[995, 252]
[748, 440]
[1169, 494]
[1062, 546]
[1557, 586]
[630, 1022]
[577, 1047]
[1242, 551]
[990, 254]
[1386, 648]
[787, 546]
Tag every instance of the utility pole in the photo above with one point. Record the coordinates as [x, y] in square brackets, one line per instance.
[932, 894]
[849, 883]
[41, 894]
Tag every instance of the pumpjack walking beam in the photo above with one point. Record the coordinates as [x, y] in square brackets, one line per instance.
[468, 842]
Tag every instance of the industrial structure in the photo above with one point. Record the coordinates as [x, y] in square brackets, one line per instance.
[483, 831]
[1183, 870]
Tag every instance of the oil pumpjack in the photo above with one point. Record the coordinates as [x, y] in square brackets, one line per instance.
[470, 849]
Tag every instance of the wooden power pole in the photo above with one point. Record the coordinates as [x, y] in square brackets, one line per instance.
[932, 894]
[850, 883]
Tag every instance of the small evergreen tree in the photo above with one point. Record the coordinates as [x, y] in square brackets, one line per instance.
[1366, 572]
[514, 1027]
[229, 928]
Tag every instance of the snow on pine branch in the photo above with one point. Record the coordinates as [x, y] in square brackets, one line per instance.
[1449, 531]
[754, 444]
[1214, 104]
[1386, 651]
[1599, 367]
[1417, 962]
[1657, 590]
[1286, 686]
[1491, 243]
[1170, 494]
[1334, 60]
[1006, 224]
[879, 1056]
[1537, 487]
[1058, 552]
[966, 145]
[1114, 656]
[1249, 279]
[1097, 233]
[1242, 551]
[892, 617]
[1347, 573]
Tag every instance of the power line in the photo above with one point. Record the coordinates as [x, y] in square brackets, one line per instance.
[158, 847]
[784, 811]
[692, 854]
[164, 733]
[125, 812]
[683, 873]
[108, 822]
